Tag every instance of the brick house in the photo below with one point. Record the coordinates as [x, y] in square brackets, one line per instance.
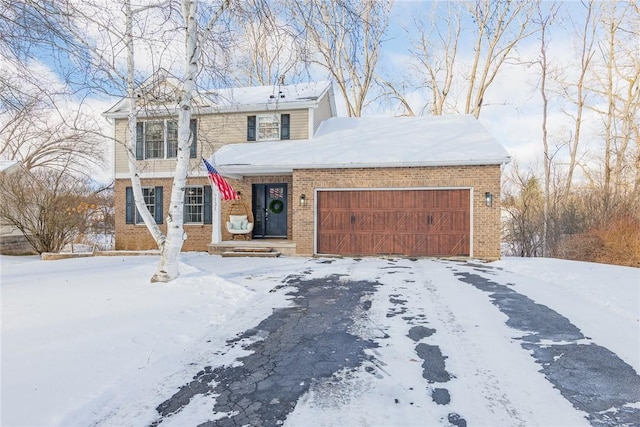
[318, 184]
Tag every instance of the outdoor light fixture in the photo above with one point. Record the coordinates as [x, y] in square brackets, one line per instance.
[303, 200]
[488, 198]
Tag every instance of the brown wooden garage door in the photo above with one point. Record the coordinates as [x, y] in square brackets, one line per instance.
[393, 222]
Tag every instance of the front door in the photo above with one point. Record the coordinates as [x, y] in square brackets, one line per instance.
[270, 210]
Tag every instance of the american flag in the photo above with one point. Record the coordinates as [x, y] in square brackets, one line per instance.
[227, 192]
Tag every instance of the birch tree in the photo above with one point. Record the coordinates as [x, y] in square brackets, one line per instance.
[171, 246]
[101, 36]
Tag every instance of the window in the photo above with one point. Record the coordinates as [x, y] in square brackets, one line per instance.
[268, 127]
[152, 199]
[172, 139]
[158, 139]
[193, 205]
[154, 140]
[197, 205]
[149, 194]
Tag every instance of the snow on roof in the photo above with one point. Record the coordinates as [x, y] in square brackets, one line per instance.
[5, 165]
[285, 94]
[252, 98]
[342, 142]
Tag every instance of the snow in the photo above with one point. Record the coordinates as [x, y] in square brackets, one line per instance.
[351, 142]
[271, 95]
[250, 98]
[5, 165]
[89, 341]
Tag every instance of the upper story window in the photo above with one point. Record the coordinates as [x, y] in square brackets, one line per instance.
[158, 139]
[268, 127]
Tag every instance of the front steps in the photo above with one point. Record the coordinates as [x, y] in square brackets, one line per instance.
[257, 247]
[249, 251]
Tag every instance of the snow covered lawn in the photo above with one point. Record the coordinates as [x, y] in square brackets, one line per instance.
[90, 341]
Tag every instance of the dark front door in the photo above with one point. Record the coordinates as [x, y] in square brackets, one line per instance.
[270, 210]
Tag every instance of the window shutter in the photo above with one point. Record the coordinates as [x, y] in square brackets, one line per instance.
[129, 206]
[194, 142]
[206, 214]
[284, 126]
[139, 141]
[251, 128]
[158, 206]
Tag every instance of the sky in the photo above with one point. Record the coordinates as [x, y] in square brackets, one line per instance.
[513, 107]
[90, 341]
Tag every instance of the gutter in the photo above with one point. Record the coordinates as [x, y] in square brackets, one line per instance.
[238, 170]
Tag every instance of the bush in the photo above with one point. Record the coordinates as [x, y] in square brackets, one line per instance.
[614, 242]
[621, 242]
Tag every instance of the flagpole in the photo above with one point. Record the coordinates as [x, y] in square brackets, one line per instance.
[220, 189]
[216, 233]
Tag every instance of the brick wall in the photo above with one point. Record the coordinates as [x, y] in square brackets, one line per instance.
[485, 227]
[486, 220]
[137, 237]
[245, 187]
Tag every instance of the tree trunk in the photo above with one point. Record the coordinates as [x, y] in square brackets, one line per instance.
[136, 185]
[168, 267]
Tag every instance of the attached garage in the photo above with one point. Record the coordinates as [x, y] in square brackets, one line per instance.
[371, 186]
[416, 222]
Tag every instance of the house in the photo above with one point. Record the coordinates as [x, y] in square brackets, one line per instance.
[221, 117]
[317, 184]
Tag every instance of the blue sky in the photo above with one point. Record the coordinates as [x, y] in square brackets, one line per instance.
[513, 110]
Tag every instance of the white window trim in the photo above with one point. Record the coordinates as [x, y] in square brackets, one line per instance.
[268, 116]
[165, 136]
[201, 205]
[135, 211]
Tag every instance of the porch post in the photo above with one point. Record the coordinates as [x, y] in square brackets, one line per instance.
[215, 216]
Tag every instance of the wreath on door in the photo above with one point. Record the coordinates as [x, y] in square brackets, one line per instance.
[276, 206]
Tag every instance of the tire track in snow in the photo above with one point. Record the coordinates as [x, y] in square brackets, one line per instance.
[487, 383]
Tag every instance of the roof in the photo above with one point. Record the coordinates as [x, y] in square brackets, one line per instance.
[6, 165]
[361, 142]
[268, 95]
[251, 98]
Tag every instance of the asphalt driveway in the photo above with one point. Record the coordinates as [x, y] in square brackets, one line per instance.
[343, 330]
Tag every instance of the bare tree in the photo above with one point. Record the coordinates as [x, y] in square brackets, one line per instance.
[576, 91]
[500, 26]
[436, 53]
[49, 208]
[345, 38]
[544, 21]
[171, 32]
[522, 229]
[456, 82]
[268, 47]
[616, 90]
[40, 135]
